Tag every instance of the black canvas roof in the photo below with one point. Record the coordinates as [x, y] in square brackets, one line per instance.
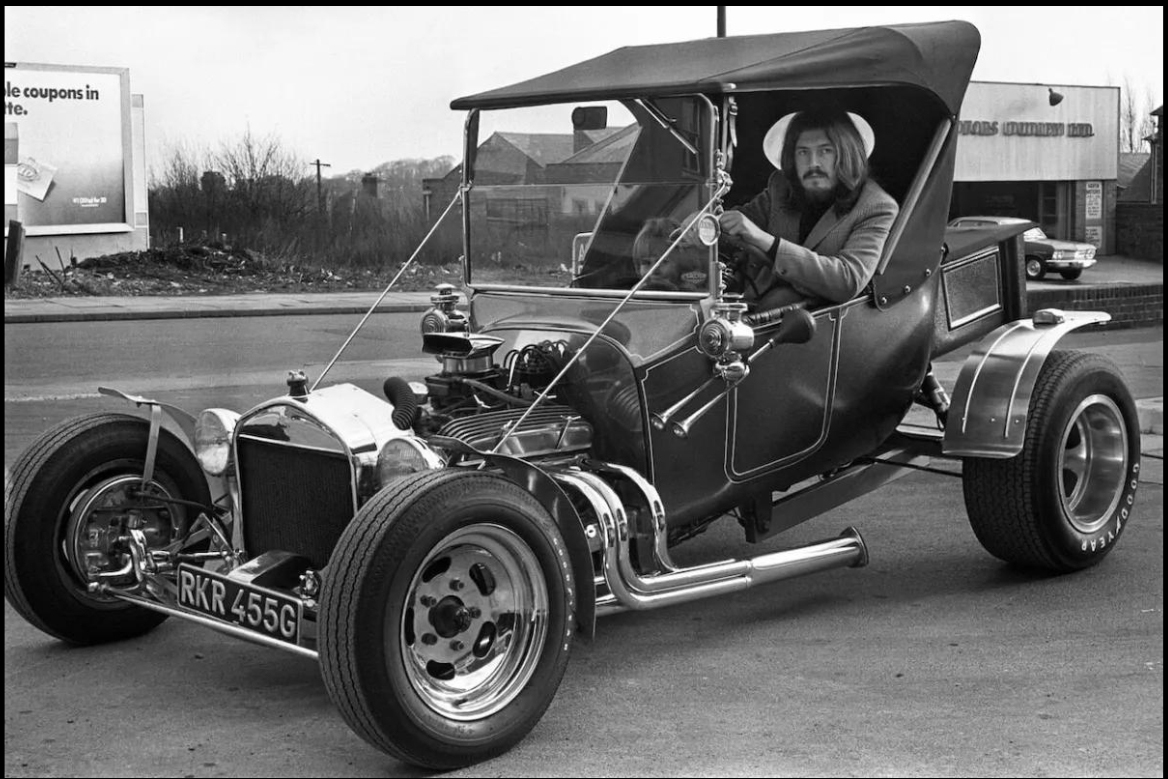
[936, 56]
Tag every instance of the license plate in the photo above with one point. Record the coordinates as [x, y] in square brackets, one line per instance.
[266, 612]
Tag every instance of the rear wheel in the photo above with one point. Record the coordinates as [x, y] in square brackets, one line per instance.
[71, 498]
[446, 618]
[1062, 503]
[1035, 268]
[1071, 273]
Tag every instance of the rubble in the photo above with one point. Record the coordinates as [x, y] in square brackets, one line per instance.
[205, 269]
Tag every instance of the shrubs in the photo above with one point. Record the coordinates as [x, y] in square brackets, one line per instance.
[264, 197]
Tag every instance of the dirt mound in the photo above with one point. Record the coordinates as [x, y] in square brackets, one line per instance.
[207, 269]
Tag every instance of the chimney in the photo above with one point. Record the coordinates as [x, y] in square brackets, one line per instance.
[369, 184]
[587, 118]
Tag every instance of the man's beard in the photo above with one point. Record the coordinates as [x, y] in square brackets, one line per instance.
[800, 198]
[819, 197]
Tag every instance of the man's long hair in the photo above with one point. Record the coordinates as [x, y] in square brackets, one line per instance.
[851, 167]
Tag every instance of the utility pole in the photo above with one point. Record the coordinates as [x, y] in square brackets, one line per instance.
[319, 190]
[721, 21]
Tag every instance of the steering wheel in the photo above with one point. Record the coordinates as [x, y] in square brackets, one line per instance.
[749, 269]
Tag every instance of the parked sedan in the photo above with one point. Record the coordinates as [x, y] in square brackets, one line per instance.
[1043, 254]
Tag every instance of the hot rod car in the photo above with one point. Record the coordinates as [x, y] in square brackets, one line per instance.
[439, 549]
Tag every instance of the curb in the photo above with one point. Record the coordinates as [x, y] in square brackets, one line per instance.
[1151, 411]
[206, 313]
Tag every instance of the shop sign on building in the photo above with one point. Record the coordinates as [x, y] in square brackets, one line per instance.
[1094, 200]
[1011, 132]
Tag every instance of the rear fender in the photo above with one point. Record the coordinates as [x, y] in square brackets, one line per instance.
[544, 489]
[991, 400]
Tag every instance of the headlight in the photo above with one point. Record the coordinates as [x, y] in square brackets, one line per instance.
[1058, 255]
[213, 439]
[709, 229]
[402, 456]
[718, 336]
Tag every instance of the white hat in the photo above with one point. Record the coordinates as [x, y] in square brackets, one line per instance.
[772, 144]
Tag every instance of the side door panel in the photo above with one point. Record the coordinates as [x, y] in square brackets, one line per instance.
[782, 411]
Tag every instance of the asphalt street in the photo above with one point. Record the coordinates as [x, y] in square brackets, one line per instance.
[934, 660]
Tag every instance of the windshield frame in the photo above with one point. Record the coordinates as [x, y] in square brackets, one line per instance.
[709, 146]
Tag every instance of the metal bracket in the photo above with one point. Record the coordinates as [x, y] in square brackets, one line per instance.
[152, 445]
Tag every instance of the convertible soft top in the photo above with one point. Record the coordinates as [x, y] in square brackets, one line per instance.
[936, 56]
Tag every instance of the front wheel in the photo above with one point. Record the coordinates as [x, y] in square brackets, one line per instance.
[1062, 503]
[1035, 268]
[446, 618]
[72, 497]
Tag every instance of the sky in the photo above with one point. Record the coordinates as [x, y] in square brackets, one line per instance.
[358, 86]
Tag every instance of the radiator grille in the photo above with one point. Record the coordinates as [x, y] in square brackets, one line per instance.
[294, 499]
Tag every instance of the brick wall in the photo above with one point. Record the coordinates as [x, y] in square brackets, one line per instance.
[1140, 230]
[1137, 305]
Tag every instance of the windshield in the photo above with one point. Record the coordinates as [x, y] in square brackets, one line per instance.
[586, 195]
[1034, 234]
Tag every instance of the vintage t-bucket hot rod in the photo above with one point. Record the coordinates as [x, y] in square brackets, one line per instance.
[439, 548]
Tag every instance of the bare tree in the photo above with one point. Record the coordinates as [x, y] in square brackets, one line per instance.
[180, 166]
[1128, 118]
[1135, 118]
[174, 190]
[1147, 123]
[266, 179]
[263, 196]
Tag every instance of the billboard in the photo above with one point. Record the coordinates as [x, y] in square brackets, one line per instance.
[68, 131]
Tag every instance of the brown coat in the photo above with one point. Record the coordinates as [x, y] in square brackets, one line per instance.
[841, 253]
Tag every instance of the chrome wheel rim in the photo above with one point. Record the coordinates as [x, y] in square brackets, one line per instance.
[1033, 268]
[475, 622]
[1093, 463]
[99, 516]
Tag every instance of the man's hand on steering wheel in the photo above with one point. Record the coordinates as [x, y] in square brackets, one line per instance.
[739, 227]
[738, 254]
[749, 267]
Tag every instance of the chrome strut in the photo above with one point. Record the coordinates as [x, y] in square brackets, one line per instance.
[631, 590]
[656, 508]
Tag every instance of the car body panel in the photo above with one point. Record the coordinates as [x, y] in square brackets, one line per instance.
[991, 399]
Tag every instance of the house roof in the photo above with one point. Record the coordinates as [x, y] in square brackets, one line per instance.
[1129, 165]
[613, 148]
[543, 148]
[1139, 189]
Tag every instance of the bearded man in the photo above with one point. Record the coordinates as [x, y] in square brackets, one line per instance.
[821, 221]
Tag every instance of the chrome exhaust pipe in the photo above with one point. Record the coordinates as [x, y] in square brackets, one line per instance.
[630, 590]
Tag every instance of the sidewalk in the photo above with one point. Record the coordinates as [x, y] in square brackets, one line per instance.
[98, 309]
[1110, 272]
